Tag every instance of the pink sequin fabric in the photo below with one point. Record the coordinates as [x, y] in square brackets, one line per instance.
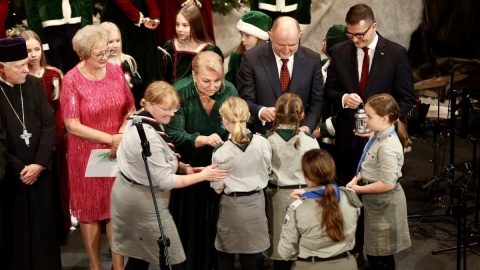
[100, 105]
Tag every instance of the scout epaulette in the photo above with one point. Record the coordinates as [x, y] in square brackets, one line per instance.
[218, 146]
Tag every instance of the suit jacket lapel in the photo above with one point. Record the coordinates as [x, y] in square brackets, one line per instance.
[271, 69]
[376, 63]
[298, 67]
[352, 59]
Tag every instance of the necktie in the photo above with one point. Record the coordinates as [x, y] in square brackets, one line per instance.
[365, 150]
[284, 76]
[364, 76]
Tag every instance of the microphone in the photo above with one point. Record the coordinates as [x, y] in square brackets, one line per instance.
[137, 121]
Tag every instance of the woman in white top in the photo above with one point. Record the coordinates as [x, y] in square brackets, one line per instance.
[134, 224]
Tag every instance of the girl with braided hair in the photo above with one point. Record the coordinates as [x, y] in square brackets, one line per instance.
[288, 146]
[242, 224]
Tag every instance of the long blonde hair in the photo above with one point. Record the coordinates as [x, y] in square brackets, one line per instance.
[235, 110]
[29, 34]
[120, 58]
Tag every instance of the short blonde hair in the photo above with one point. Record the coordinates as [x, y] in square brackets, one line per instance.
[160, 92]
[86, 38]
[210, 61]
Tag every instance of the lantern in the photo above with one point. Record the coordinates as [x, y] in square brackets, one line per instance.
[360, 123]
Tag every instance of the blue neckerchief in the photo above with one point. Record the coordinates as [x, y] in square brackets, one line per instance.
[317, 194]
[367, 147]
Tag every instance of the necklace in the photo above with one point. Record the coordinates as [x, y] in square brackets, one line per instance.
[190, 46]
[25, 135]
[206, 101]
[90, 76]
[39, 73]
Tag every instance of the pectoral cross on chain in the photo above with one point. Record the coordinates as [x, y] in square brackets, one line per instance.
[26, 136]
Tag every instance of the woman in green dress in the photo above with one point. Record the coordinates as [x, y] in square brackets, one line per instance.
[190, 39]
[195, 130]
[253, 28]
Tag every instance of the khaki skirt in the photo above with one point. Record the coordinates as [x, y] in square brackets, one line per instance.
[134, 223]
[386, 224]
[277, 202]
[341, 264]
[242, 224]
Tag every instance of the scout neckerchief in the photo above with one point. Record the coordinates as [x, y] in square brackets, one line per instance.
[316, 194]
[367, 147]
[286, 133]
[244, 147]
[147, 118]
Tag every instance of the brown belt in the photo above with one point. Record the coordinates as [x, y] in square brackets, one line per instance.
[242, 194]
[286, 187]
[318, 259]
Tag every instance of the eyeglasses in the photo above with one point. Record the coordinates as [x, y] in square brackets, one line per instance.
[171, 110]
[102, 54]
[358, 35]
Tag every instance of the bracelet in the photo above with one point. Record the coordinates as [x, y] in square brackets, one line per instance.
[112, 140]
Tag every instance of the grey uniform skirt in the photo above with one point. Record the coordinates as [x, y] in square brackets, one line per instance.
[386, 224]
[135, 226]
[242, 224]
[277, 202]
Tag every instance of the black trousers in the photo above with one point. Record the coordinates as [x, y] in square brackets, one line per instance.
[138, 264]
[226, 261]
[381, 262]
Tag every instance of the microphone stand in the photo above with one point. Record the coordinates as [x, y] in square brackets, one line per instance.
[163, 241]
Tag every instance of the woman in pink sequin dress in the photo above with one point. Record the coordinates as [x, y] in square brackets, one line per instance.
[95, 101]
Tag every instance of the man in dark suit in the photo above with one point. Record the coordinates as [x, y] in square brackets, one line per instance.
[349, 84]
[258, 78]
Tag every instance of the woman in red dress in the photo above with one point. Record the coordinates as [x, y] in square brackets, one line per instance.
[96, 101]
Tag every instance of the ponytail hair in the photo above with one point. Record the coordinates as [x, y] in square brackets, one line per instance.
[235, 110]
[386, 105]
[318, 167]
[289, 111]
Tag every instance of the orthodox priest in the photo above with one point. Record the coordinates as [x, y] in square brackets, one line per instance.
[29, 234]
[2, 173]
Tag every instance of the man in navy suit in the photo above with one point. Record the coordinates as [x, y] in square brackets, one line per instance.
[258, 78]
[389, 72]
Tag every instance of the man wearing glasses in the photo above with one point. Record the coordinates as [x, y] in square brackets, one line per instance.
[365, 65]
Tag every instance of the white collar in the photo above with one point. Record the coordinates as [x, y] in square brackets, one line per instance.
[5, 82]
[373, 44]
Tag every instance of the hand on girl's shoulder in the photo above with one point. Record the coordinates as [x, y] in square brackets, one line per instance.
[218, 146]
[352, 197]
